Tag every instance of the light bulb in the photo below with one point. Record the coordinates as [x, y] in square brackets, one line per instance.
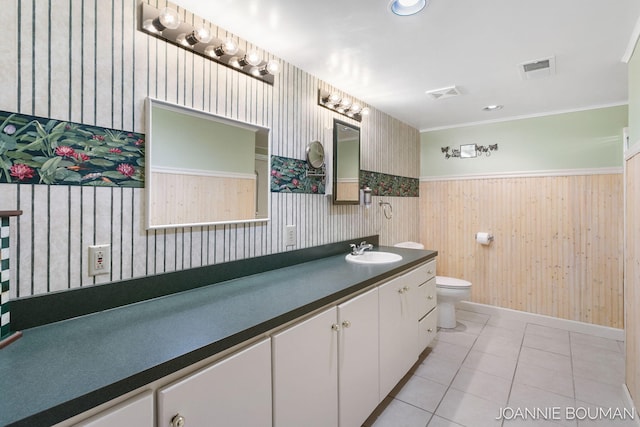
[365, 111]
[199, 35]
[356, 107]
[273, 67]
[345, 103]
[251, 58]
[334, 98]
[228, 47]
[168, 18]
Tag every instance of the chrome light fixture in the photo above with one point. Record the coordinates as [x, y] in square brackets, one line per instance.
[165, 24]
[407, 7]
[335, 102]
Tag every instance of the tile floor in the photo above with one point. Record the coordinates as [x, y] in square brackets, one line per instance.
[489, 366]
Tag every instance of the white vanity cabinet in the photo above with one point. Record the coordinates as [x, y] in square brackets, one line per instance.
[305, 373]
[407, 322]
[358, 359]
[398, 330]
[235, 391]
[136, 411]
[325, 368]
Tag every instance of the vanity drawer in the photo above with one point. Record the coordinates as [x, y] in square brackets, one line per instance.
[421, 274]
[428, 327]
[427, 297]
[430, 269]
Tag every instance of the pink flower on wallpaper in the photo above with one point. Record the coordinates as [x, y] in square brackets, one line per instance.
[81, 157]
[21, 171]
[65, 151]
[126, 169]
[139, 142]
[115, 150]
[98, 137]
[314, 188]
[295, 182]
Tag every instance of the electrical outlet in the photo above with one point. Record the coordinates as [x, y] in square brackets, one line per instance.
[99, 259]
[290, 235]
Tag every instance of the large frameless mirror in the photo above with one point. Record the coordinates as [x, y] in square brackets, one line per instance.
[204, 169]
[346, 163]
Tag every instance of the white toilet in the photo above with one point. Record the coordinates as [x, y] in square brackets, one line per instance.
[449, 291]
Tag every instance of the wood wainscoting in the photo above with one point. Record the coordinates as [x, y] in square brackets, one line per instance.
[558, 247]
[632, 277]
[176, 198]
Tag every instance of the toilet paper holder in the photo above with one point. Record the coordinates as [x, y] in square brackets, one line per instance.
[483, 238]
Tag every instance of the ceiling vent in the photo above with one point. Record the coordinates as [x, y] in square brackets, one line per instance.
[446, 92]
[538, 69]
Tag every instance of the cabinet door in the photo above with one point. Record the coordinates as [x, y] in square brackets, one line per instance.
[398, 331]
[305, 373]
[358, 359]
[233, 392]
[137, 411]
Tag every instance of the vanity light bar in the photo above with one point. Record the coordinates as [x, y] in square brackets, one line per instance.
[346, 107]
[165, 24]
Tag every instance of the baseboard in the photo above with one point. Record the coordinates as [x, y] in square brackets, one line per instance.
[631, 404]
[540, 319]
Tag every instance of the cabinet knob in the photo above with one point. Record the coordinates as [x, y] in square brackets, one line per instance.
[430, 297]
[430, 330]
[346, 324]
[177, 421]
[335, 327]
[430, 272]
[406, 289]
[401, 291]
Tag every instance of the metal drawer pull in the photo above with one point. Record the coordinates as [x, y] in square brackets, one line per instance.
[430, 330]
[346, 324]
[335, 327]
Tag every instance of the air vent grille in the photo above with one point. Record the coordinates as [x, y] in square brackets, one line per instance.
[539, 68]
[446, 92]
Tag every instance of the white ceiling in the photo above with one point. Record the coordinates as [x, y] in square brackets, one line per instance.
[389, 62]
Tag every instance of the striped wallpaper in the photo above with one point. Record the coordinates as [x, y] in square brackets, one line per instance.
[84, 61]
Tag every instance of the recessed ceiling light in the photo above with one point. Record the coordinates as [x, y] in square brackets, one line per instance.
[407, 7]
[492, 107]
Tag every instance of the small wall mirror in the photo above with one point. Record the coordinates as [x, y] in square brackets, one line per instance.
[315, 154]
[204, 169]
[346, 163]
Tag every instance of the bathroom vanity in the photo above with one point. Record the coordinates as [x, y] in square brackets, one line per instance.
[319, 342]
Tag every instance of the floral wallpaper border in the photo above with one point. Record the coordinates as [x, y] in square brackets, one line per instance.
[289, 176]
[37, 150]
[382, 184]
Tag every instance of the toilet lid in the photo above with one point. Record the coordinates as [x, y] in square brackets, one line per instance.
[451, 282]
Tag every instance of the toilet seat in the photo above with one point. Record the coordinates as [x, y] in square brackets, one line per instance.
[451, 283]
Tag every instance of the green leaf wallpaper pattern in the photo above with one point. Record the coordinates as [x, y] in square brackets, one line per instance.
[36, 150]
[289, 176]
[382, 184]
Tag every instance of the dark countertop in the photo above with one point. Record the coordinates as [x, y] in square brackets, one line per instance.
[61, 369]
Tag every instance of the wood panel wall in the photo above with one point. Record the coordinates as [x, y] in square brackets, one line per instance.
[85, 61]
[558, 247]
[632, 277]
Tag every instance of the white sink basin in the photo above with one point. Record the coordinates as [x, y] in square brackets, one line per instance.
[374, 258]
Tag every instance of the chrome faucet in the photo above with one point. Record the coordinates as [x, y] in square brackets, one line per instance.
[359, 249]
